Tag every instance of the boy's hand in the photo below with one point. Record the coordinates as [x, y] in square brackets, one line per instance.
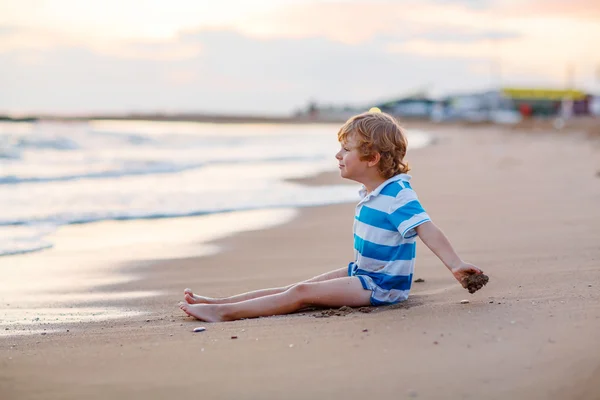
[464, 272]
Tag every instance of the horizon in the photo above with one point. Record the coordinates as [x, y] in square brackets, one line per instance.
[268, 58]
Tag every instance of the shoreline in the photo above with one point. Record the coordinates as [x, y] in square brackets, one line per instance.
[510, 216]
[586, 124]
[106, 249]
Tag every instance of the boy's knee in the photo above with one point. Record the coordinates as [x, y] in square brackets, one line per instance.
[300, 291]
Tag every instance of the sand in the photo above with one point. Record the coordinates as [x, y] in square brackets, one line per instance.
[524, 207]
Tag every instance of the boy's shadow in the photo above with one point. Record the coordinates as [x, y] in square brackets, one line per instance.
[345, 310]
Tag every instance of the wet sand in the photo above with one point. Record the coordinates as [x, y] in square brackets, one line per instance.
[523, 207]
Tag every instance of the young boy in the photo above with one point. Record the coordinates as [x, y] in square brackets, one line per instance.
[387, 221]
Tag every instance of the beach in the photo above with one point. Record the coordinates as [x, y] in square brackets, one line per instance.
[523, 206]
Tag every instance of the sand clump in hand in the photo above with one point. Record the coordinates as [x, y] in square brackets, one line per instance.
[475, 282]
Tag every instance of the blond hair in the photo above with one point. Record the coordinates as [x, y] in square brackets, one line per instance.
[377, 132]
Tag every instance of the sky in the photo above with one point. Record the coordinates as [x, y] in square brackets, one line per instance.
[273, 57]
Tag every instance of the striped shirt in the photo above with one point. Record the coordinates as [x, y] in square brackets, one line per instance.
[385, 239]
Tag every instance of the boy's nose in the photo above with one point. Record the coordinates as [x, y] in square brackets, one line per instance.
[338, 155]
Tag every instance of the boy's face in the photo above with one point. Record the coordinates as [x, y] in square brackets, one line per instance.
[350, 164]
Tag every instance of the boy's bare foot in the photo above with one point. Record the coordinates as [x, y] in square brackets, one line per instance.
[203, 312]
[191, 298]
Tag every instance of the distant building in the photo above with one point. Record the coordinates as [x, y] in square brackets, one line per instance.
[506, 105]
[548, 102]
[594, 106]
[510, 105]
[417, 106]
[320, 112]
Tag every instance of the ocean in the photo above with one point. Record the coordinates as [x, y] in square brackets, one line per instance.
[57, 173]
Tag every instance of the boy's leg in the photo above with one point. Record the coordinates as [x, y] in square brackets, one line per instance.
[327, 276]
[347, 291]
[191, 298]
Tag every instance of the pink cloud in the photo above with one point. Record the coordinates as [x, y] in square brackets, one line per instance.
[385, 21]
[584, 9]
[345, 22]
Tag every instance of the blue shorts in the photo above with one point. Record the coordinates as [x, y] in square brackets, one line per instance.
[382, 293]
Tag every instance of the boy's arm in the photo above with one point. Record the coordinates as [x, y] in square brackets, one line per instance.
[439, 244]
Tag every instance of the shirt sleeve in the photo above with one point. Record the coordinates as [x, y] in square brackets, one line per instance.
[406, 213]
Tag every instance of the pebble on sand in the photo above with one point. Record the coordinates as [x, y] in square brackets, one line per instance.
[199, 329]
[464, 301]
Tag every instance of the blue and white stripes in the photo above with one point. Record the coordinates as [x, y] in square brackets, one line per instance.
[385, 239]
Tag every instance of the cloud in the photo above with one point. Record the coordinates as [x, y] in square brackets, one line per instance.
[233, 72]
[352, 53]
[360, 21]
[6, 30]
[476, 4]
[463, 36]
[580, 9]
[14, 37]
[23, 38]
[152, 50]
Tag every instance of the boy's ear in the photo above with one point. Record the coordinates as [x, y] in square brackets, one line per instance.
[374, 159]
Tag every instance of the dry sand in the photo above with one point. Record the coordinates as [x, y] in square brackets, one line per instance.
[523, 207]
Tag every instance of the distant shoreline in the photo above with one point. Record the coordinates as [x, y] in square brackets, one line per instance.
[588, 125]
[210, 118]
